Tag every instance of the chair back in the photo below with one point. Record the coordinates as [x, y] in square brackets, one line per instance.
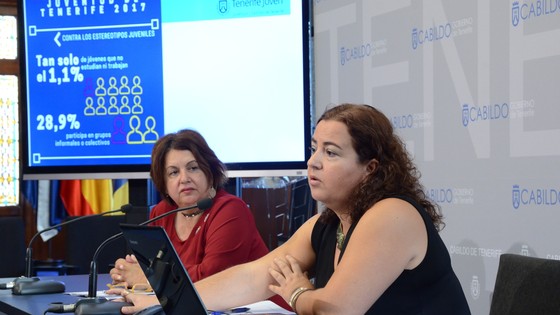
[85, 236]
[301, 204]
[526, 285]
[12, 248]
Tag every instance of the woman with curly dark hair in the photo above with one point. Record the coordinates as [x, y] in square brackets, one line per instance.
[375, 249]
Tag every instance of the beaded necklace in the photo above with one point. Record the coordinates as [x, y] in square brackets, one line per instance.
[339, 237]
[194, 214]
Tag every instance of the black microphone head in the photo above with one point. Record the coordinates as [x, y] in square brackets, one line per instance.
[126, 208]
[204, 204]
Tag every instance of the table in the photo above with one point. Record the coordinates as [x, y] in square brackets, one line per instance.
[37, 304]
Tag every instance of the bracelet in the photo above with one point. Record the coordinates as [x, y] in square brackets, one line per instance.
[295, 295]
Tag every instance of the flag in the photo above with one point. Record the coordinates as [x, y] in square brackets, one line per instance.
[43, 213]
[41, 196]
[120, 193]
[72, 198]
[92, 196]
[154, 196]
[57, 213]
[54, 200]
[29, 190]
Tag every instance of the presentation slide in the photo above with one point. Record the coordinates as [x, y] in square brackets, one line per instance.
[106, 79]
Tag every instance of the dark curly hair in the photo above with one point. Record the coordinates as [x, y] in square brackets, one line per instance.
[214, 170]
[396, 175]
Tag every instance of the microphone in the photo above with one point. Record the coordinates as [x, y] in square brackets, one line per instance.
[77, 307]
[28, 284]
[203, 205]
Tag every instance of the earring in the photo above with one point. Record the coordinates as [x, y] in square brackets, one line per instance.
[212, 192]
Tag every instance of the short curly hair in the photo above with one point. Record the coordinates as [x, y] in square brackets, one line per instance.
[186, 139]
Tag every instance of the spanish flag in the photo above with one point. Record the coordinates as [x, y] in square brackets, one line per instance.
[92, 196]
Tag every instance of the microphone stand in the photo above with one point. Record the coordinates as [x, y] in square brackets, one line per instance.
[93, 308]
[28, 284]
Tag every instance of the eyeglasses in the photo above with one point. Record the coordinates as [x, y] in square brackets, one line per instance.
[137, 288]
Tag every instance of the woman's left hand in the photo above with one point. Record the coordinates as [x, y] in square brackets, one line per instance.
[127, 271]
[288, 275]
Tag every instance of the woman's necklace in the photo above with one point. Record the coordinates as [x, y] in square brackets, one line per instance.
[211, 194]
[193, 214]
[339, 237]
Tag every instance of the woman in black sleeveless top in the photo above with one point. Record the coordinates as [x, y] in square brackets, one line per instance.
[375, 249]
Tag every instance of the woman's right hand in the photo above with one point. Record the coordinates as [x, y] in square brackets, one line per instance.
[127, 271]
[139, 301]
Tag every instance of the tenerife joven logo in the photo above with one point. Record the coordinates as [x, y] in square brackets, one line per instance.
[533, 9]
[222, 6]
[534, 196]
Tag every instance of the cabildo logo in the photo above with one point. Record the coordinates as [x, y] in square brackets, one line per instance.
[403, 121]
[533, 9]
[430, 34]
[358, 52]
[378, 47]
[524, 250]
[457, 196]
[534, 197]
[472, 114]
[440, 195]
[442, 31]
[409, 121]
[475, 288]
[552, 256]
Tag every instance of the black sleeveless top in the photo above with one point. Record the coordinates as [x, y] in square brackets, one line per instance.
[430, 288]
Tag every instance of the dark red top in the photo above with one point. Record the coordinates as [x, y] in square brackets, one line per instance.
[225, 235]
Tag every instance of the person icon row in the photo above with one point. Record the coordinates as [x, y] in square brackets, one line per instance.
[114, 109]
[113, 89]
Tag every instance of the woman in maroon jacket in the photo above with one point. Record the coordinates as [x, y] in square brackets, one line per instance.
[186, 170]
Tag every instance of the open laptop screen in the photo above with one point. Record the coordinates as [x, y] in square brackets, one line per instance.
[164, 270]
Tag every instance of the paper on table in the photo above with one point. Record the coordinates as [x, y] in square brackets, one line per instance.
[263, 307]
[266, 307]
[99, 294]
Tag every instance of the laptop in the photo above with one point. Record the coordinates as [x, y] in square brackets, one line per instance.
[167, 275]
[164, 270]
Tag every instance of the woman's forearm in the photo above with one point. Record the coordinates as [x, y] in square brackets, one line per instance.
[238, 285]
